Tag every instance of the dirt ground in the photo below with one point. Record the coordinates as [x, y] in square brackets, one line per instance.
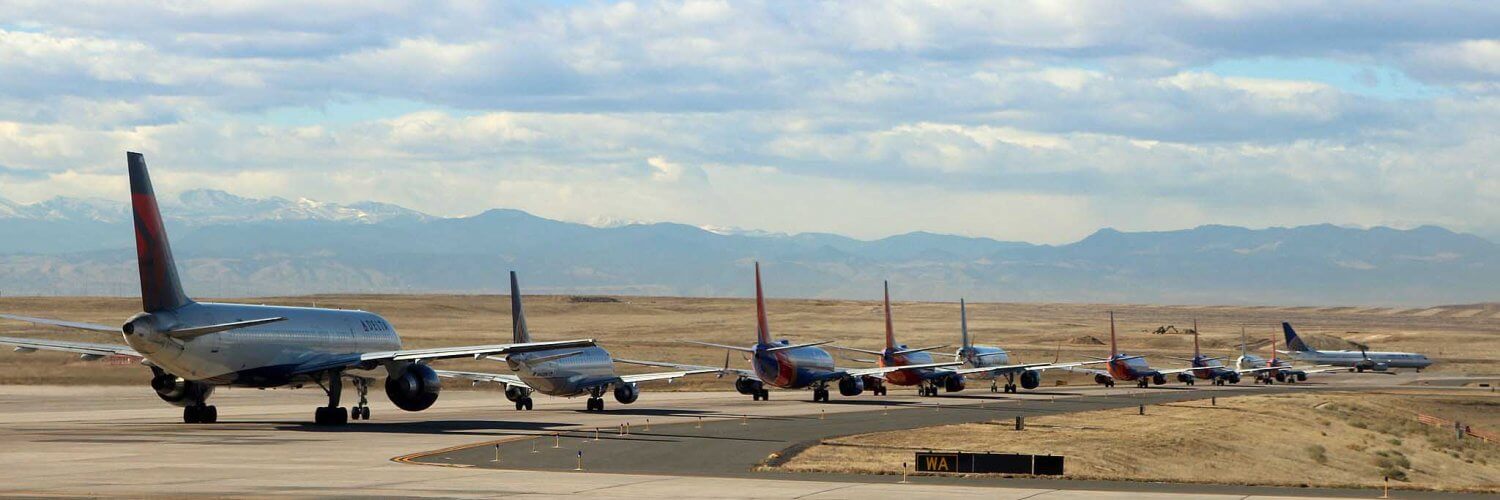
[1291, 439]
[1463, 339]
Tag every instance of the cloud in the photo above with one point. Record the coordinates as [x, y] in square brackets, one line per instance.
[781, 116]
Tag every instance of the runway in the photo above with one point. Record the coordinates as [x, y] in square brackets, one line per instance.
[122, 441]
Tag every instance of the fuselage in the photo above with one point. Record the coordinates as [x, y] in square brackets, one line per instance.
[791, 368]
[567, 376]
[1352, 358]
[1210, 368]
[258, 356]
[1122, 367]
[982, 357]
[907, 377]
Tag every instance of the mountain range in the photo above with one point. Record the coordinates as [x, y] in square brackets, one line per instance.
[230, 245]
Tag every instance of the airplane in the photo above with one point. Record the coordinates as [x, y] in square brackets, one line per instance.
[192, 347]
[1121, 366]
[1274, 370]
[1212, 368]
[564, 372]
[987, 362]
[926, 380]
[779, 363]
[1361, 360]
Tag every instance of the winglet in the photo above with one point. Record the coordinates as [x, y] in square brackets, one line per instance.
[1113, 349]
[161, 290]
[963, 324]
[762, 328]
[890, 332]
[519, 333]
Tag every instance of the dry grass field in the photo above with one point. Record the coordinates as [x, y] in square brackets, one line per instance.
[1463, 339]
[1292, 439]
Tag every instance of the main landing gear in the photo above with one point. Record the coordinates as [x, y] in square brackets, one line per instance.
[523, 403]
[200, 414]
[596, 400]
[1010, 384]
[1143, 383]
[927, 390]
[333, 414]
[761, 394]
[820, 394]
[362, 411]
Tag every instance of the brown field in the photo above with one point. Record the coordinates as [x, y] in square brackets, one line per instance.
[1342, 440]
[1463, 339]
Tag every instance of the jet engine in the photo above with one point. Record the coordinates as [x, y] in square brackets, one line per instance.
[179, 391]
[1301, 376]
[516, 393]
[1159, 379]
[1101, 379]
[1183, 377]
[953, 383]
[747, 386]
[416, 389]
[1280, 376]
[872, 383]
[627, 393]
[1031, 379]
[1233, 378]
[851, 386]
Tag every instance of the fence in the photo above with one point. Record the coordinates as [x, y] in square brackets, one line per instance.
[1488, 437]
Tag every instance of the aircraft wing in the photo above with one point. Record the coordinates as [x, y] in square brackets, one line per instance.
[647, 377]
[1090, 371]
[690, 368]
[1001, 368]
[65, 324]
[1065, 366]
[84, 348]
[478, 351]
[1175, 371]
[498, 378]
[882, 370]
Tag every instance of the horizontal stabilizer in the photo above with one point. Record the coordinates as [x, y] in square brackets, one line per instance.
[199, 331]
[721, 346]
[856, 349]
[909, 351]
[550, 357]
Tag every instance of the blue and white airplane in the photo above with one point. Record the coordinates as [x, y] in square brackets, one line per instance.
[779, 363]
[192, 347]
[565, 372]
[1360, 360]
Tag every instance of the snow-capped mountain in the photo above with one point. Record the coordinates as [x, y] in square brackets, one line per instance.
[201, 207]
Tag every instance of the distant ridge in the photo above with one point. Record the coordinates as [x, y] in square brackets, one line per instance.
[237, 246]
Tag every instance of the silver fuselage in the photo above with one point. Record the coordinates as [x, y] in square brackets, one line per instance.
[569, 376]
[980, 356]
[258, 356]
[1352, 358]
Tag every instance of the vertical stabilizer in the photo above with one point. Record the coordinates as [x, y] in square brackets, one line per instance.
[1196, 352]
[762, 329]
[1272, 362]
[1243, 343]
[963, 324]
[1114, 350]
[518, 331]
[1293, 342]
[160, 288]
[890, 332]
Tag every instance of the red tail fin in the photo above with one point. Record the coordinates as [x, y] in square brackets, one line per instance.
[762, 329]
[890, 332]
[1113, 349]
[160, 288]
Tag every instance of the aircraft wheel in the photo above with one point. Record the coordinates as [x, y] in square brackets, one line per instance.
[364, 413]
[520, 405]
[331, 416]
[765, 394]
[527, 401]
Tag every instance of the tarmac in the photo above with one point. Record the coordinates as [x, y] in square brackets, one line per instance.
[123, 441]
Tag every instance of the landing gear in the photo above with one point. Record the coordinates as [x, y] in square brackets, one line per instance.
[361, 411]
[1142, 383]
[595, 404]
[523, 403]
[1189, 381]
[333, 414]
[761, 395]
[927, 390]
[820, 395]
[1010, 384]
[995, 387]
[200, 414]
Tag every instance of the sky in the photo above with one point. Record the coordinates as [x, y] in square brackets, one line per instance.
[1035, 121]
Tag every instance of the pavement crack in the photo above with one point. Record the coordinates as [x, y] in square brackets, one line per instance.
[836, 488]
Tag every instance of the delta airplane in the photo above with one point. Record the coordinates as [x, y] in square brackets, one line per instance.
[1360, 360]
[1120, 366]
[192, 347]
[987, 362]
[780, 363]
[564, 372]
[1274, 370]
